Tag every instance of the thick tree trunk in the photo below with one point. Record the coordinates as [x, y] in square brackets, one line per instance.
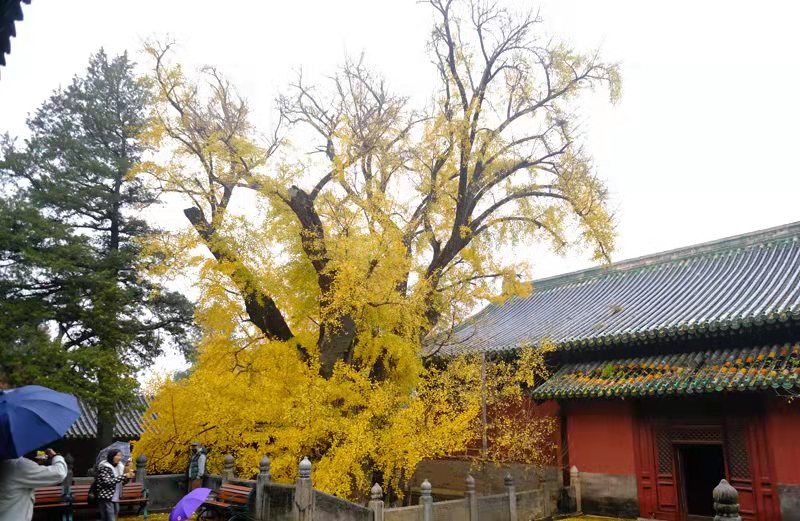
[106, 421]
[336, 342]
[266, 316]
[433, 274]
[106, 414]
[336, 337]
[261, 309]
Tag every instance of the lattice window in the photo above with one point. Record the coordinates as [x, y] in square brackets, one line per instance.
[738, 458]
[666, 436]
[696, 433]
[664, 447]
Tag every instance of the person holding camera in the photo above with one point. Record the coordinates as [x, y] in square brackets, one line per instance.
[18, 479]
[110, 476]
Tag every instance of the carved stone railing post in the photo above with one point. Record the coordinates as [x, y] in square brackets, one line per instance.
[511, 490]
[67, 483]
[726, 502]
[376, 502]
[426, 501]
[303, 508]
[141, 469]
[471, 498]
[229, 468]
[262, 482]
[575, 481]
[265, 469]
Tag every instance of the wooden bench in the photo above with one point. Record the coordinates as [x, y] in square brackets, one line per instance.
[79, 498]
[228, 500]
[51, 499]
[134, 495]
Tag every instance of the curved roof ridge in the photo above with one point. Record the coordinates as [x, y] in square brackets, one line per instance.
[742, 281]
[129, 420]
[724, 245]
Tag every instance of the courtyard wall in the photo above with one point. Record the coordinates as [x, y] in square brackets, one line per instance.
[608, 471]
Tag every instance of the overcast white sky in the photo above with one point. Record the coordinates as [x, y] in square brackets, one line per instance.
[701, 146]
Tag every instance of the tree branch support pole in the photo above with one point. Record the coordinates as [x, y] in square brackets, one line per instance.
[484, 435]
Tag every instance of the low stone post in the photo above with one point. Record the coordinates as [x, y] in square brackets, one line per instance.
[471, 498]
[511, 490]
[229, 468]
[262, 482]
[575, 481]
[303, 508]
[376, 502]
[544, 486]
[426, 501]
[141, 469]
[726, 502]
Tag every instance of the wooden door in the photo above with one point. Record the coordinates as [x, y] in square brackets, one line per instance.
[747, 465]
[749, 468]
[655, 472]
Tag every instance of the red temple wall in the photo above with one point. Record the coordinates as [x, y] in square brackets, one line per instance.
[550, 409]
[783, 433]
[600, 437]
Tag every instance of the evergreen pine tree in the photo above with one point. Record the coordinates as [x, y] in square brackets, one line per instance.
[77, 309]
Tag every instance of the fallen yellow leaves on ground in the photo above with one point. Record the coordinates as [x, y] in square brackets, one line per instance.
[592, 518]
[150, 517]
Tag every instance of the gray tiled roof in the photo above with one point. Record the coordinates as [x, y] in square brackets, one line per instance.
[129, 421]
[738, 282]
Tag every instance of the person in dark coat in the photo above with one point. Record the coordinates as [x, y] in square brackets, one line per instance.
[197, 466]
[110, 476]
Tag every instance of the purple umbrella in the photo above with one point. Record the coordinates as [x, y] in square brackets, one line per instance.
[189, 504]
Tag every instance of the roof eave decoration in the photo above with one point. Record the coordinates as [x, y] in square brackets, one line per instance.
[760, 369]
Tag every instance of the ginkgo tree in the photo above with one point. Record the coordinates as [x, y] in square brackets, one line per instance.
[371, 228]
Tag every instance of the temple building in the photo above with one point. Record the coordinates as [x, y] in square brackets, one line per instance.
[80, 441]
[671, 371]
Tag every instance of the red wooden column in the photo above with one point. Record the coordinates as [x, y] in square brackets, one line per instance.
[782, 448]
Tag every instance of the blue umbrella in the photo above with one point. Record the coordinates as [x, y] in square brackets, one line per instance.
[123, 446]
[189, 504]
[33, 416]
